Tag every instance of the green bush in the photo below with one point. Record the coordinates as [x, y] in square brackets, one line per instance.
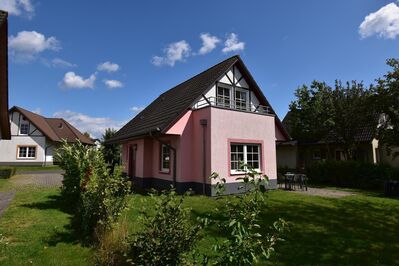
[168, 233]
[98, 196]
[351, 174]
[7, 172]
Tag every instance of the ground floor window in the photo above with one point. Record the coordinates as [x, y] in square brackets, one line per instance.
[165, 158]
[244, 153]
[26, 152]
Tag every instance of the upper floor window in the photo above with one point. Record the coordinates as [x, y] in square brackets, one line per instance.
[165, 158]
[26, 152]
[24, 127]
[244, 153]
[241, 99]
[223, 97]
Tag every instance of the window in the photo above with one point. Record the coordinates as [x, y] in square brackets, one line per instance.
[28, 152]
[244, 153]
[241, 99]
[223, 97]
[165, 158]
[24, 128]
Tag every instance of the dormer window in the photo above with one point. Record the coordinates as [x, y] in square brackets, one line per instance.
[24, 127]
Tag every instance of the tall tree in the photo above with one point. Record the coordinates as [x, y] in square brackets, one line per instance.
[323, 113]
[387, 103]
[111, 152]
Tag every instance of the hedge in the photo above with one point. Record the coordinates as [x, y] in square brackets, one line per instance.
[7, 172]
[351, 174]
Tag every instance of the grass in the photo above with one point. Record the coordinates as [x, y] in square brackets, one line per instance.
[38, 168]
[355, 230]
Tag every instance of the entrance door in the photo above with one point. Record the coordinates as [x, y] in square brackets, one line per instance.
[132, 160]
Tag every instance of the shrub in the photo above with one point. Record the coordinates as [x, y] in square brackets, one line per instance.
[98, 195]
[351, 174]
[168, 233]
[7, 172]
[247, 241]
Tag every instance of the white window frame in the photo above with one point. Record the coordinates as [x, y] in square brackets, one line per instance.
[28, 148]
[245, 154]
[247, 103]
[164, 170]
[227, 87]
[20, 127]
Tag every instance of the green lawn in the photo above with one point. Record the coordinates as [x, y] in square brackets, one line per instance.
[356, 230]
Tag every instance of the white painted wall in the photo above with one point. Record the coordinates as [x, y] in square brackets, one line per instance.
[9, 148]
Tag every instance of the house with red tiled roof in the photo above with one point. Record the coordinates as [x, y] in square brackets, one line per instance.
[34, 138]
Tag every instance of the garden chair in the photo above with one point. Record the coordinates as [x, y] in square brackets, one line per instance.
[280, 180]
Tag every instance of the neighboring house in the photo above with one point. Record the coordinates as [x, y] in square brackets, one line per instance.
[4, 122]
[34, 138]
[298, 154]
[206, 124]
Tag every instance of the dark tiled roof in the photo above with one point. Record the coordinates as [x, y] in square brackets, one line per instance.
[169, 106]
[56, 129]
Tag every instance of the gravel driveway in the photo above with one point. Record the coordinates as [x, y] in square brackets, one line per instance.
[39, 179]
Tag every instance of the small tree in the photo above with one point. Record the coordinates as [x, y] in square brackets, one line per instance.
[387, 103]
[111, 152]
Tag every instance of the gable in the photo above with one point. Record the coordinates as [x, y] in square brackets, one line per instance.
[17, 119]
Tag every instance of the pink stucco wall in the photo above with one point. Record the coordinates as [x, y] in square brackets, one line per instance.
[228, 125]
[223, 126]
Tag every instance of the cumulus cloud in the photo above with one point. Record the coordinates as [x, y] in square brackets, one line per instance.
[232, 44]
[27, 45]
[177, 51]
[94, 125]
[209, 43]
[137, 109]
[113, 84]
[73, 81]
[108, 66]
[18, 7]
[384, 23]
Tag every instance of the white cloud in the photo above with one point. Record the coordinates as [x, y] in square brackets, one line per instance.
[137, 109]
[18, 7]
[94, 125]
[177, 51]
[384, 23]
[27, 45]
[58, 62]
[108, 66]
[73, 81]
[209, 43]
[113, 84]
[37, 111]
[232, 44]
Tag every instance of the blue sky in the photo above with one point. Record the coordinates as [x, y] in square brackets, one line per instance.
[58, 50]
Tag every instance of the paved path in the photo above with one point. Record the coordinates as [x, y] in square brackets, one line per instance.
[324, 192]
[5, 199]
[45, 179]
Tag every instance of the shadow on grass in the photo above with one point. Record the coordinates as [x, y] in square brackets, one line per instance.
[70, 234]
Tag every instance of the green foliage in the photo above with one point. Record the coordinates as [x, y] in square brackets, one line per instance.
[387, 102]
[111, 152]
[323, 113]
[99, 196]
[247, 241]
[168, 232]
[7, 172]
[351, 174]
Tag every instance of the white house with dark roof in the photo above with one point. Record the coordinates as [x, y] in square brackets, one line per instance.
[34, 138]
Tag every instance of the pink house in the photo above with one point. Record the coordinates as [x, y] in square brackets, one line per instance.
[206, 124]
